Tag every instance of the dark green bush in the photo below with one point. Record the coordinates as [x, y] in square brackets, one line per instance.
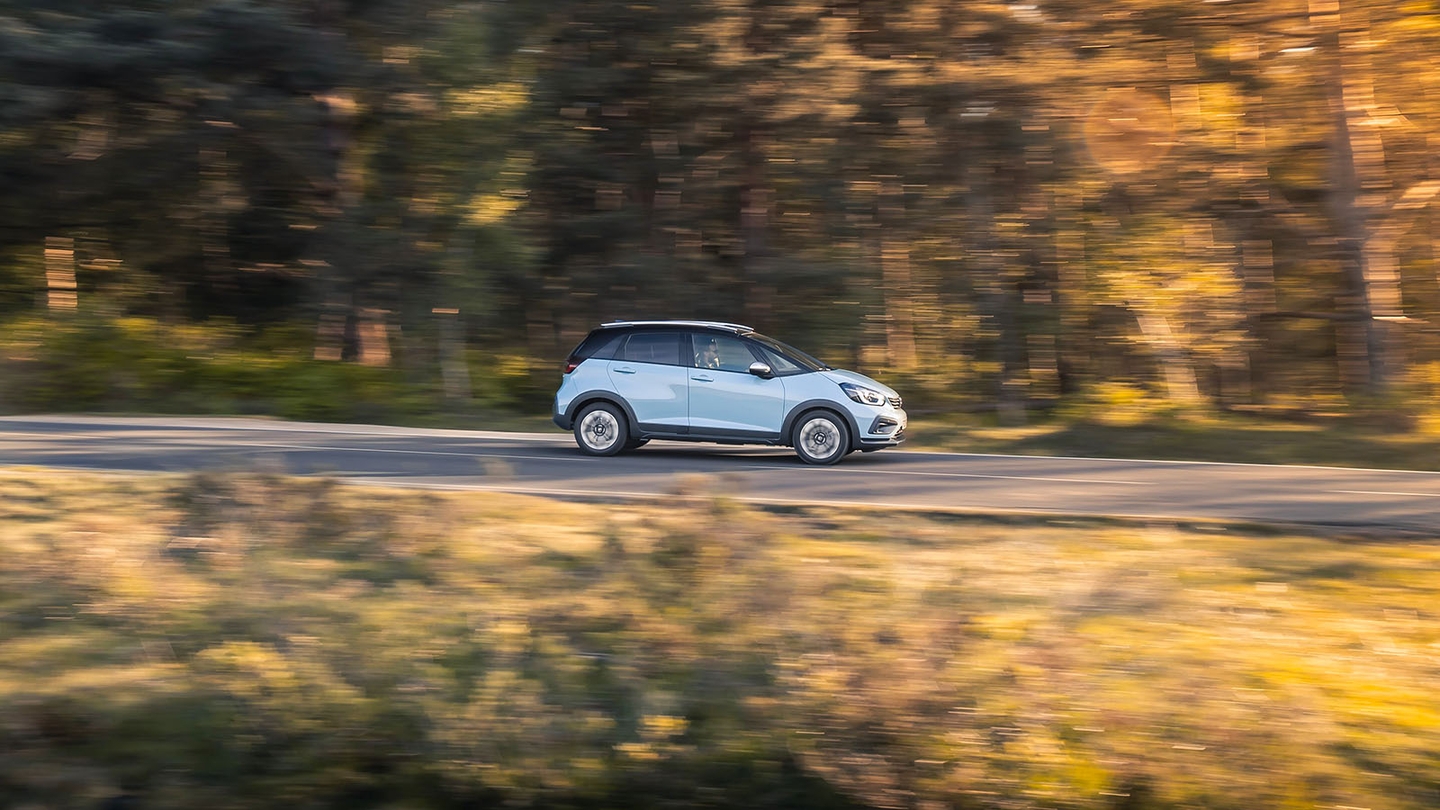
[92, 363]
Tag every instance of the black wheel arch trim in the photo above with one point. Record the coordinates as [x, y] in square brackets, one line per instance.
[820, 405]
[599, 395]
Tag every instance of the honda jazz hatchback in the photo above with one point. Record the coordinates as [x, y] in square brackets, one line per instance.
[632, 381]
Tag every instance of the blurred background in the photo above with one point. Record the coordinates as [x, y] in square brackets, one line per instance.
[242, 205]
[411, 210]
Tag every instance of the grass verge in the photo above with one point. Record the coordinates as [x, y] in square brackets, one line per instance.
[1337, 441]
[99, 364]
[242, 641]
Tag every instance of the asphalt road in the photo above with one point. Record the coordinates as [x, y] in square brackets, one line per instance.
[549, 464]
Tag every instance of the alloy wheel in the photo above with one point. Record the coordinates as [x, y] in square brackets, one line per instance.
[600, 430]
[821, 440]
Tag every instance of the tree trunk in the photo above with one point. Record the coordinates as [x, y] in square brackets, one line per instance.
[1014, 379]
[897, 286]
[1257, 265]
[330, 334]
[61, 290]
[1358, 197]
[755, 203]
[342, 199]
[1180, 381]
[217, 198]
[1002, 296]
[1073, 360]
[454, 372]
[899, 323]
[373, 335]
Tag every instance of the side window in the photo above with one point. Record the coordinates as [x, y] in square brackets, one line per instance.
[607, 351]
[653, 347]
[722, 352]
[599, 344]
[778, 364]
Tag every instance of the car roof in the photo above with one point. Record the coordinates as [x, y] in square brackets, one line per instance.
[720, 325]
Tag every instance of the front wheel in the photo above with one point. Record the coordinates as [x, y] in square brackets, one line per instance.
[600, 430]
[821, 438]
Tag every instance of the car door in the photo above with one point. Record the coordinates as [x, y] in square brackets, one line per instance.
[725, 398]
[648, 372]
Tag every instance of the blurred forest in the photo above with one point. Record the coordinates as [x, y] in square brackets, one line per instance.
[999, 205]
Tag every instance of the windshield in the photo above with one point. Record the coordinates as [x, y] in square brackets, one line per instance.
[791, 352]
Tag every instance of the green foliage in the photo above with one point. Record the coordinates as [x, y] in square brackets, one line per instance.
[19, 284]
[512, 381]
[133, 364]
[956, 195]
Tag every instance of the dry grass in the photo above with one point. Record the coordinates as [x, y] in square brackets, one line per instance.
[241, 641]
[1366, 440]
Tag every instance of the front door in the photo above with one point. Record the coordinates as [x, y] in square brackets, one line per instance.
[725, 398]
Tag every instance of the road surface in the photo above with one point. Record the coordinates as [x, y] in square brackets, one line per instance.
[549, 464]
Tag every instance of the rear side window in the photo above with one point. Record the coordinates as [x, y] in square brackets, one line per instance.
[653, 347]
[600, 343]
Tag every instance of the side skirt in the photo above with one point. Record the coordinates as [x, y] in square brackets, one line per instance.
[715, 436]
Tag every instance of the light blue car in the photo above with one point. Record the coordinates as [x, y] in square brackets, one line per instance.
[632, 381]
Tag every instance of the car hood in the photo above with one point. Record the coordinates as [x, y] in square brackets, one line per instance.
[840, 375]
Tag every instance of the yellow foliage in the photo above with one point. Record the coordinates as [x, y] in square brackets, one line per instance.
[498, 99]
[511, 644]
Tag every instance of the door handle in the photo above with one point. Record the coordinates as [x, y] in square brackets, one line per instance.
[624, 370]
[702, 378]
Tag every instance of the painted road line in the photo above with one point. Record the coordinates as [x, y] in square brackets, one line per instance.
[390, 450]
[260, 425]
[1166, 461]
[869, 472]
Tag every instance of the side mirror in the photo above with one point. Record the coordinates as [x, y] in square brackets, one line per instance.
[761, 370]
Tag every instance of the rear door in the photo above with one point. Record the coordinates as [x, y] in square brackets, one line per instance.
[648, 373]
[725, 398]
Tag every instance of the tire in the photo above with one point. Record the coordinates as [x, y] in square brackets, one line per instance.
[820, 437]
[601, 430]
[634, 444]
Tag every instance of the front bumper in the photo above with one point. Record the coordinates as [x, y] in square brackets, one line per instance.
[885, 427]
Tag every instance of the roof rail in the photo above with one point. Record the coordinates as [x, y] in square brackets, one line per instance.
[733, 327]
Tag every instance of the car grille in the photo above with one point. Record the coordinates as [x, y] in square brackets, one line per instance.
[896, 401]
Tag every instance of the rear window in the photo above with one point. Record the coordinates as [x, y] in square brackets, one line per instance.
[653, 347]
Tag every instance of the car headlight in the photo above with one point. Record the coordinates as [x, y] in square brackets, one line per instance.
[863, 395]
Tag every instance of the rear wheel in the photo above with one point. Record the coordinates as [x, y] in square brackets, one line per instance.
[821, 438]
[600, 430]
